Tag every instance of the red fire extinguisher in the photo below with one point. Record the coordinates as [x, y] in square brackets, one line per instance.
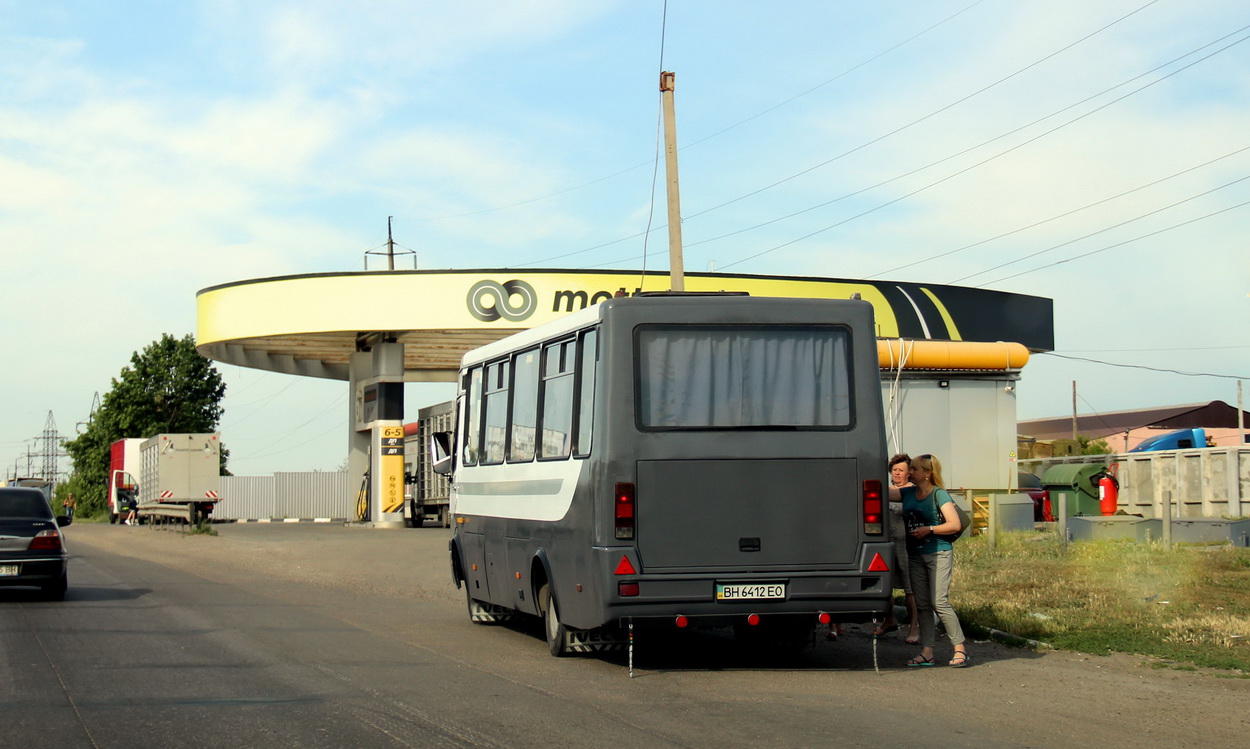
[1108, 494]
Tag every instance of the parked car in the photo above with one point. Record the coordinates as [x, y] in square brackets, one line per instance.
[1031, 484]
[32, 551]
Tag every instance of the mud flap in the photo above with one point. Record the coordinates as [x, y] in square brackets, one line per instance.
[594, 640]
[490, 613]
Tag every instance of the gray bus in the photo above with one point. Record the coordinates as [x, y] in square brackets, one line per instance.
[688, 460]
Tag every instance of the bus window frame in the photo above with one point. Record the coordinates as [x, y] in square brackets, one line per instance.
[582, 379]
[567, 346]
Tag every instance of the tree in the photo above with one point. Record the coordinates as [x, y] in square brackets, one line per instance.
[1093, 446]
[168, 388]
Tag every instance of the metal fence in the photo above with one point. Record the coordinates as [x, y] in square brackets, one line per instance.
[1212, 482]
[286, 496]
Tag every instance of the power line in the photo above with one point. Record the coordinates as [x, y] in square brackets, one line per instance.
[646, 234]
[943, 160]
[843, 74]
[1096, 414]
[1117, 244]
[1061, 215]
[289, 447]
[286, 433]
[264, 402]
[934, 113]
[1154, 350]
[987, 160]
[1126, 222]
[705, 138]
[1142, 366]
[659, 139]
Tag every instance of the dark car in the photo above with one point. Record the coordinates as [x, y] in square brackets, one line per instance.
[32, 551]
[1031, 485]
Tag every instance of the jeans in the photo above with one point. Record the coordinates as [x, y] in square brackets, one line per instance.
[931, 582]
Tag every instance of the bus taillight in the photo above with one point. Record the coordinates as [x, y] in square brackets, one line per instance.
[873, 520]
[624, 510]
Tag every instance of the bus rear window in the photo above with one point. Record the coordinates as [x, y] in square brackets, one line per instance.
[748, 376]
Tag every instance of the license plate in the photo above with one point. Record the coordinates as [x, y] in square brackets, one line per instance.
[750, 591]
[9, 570]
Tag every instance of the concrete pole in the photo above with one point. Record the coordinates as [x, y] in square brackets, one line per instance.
[360, 369]
[676, 268]
[390, 245]
[1063, 518]
[1074, 410]
[992, 525]
[1167, 519]
[1241, 419]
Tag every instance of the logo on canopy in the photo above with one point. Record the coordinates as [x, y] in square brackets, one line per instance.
[501, 295]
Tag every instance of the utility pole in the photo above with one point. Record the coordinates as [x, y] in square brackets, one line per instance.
[390, 249]
[390, 245]
[1241, 419]
[676, 269]
[1074, 410]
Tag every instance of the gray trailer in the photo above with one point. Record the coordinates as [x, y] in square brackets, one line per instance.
[180, 476]
[428, 494]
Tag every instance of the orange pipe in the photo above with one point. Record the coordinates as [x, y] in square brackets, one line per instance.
[896, 353]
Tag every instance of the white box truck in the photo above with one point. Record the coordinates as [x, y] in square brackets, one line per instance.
[180, 476]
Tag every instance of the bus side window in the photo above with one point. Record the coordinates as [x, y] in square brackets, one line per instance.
[524, 421]
[556, 399]
[472, 446]
[496, 417]
[588, 357]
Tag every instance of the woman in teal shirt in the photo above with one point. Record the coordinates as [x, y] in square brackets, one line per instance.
[931, 557]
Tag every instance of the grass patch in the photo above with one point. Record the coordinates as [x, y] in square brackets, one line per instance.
[1190, 605]
[202, 528]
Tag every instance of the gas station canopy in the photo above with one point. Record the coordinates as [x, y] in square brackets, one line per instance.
[311, 324]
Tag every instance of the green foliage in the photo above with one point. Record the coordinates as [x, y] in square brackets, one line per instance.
[168, 388]
[202, 528]
[1093, 447]
[1186, 605]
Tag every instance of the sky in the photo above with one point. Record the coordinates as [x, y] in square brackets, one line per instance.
[1097, 154]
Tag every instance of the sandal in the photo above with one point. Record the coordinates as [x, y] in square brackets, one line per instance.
[883, 631]
[961, 660]
[912, 639]
[920, 660]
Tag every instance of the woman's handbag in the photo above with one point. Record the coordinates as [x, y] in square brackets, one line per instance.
[963, 517]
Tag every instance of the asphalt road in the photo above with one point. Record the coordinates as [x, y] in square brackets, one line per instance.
[316, 635]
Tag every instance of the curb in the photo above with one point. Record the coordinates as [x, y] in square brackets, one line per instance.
[1011, 639]
[900, 613]
[286, 520]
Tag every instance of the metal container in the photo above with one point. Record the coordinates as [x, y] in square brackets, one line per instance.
[1115, 527]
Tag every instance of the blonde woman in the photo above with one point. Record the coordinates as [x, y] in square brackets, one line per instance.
[930, 514]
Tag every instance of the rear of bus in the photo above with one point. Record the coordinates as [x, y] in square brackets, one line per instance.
[745, 451]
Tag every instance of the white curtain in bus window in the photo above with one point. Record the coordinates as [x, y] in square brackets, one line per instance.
[728, 377]
[524, 406]
[557, 400]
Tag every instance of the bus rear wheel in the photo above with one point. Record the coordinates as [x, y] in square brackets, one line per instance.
[557, 641]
